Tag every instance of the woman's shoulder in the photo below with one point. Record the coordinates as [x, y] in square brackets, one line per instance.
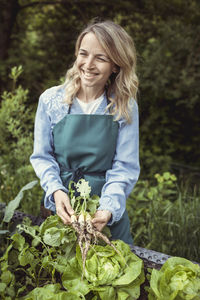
[52, 101]
[133, 103]
[132, 111]
[52, 94]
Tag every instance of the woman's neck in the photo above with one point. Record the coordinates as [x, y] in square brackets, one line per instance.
[88, 94]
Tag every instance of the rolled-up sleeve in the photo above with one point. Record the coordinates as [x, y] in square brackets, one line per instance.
[120, 180]
[42, 158]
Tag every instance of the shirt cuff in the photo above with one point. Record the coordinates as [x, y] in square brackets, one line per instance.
[55, 187]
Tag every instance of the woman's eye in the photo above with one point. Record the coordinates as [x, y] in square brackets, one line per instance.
[82, 54]
[101, 59]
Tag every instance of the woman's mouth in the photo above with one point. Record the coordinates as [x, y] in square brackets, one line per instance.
[89, 74]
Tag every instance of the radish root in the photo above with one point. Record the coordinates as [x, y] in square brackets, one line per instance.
[86, 232]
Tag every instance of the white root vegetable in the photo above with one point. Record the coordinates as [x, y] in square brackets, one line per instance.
[97, 234]
[88, 239]
[86, 232]
[75, 223]
[81, 233]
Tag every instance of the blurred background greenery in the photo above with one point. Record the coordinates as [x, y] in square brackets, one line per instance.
[40, 37]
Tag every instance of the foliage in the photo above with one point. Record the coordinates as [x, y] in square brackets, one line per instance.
[16, 142]
[166, 37]
[107, 275]
[167, 42]
[46, 258]
[52, 292]
[7, 225]
[33, 257]
[13, 205]
[169, 121]
[177, 279]
[45, 262]
[81, 201]
[164, 217]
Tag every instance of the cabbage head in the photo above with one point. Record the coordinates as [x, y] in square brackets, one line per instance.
[178, 279]
[107, 275]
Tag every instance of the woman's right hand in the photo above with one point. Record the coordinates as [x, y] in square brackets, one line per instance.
[63, 206]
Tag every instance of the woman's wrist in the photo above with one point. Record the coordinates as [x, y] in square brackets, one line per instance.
[58, 193]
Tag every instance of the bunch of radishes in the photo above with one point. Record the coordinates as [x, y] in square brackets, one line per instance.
[81, 221]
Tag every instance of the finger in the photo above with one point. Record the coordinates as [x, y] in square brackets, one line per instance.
[95, 220]
[65, 218]
[61, 212]
[100, 219]
[99, 226]
[69, 209]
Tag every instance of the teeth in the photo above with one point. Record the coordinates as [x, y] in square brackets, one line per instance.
[89, 74]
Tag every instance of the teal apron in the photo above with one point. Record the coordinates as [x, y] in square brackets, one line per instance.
[84, 147]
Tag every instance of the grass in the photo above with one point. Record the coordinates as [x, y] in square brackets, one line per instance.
[165, 217]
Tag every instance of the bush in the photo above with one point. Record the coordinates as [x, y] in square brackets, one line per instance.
[16, 143]
[164, 217]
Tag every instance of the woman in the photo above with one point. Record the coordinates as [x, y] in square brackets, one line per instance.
[88, 127]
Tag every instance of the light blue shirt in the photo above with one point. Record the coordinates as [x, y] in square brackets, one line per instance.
[120, 180]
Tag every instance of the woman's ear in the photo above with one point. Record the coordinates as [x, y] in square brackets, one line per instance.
[115, 69]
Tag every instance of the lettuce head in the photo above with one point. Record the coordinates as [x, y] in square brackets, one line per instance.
[178, 279]
[107, 275]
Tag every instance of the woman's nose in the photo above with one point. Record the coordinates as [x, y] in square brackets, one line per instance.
[89, 62]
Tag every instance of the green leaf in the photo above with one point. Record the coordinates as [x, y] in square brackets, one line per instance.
[92, 204]
[82, 202]
[26, 257]
[72, 278]
[53, 237]
[177, 279]
[166, 175]
[7, 277]
[130, 274]
[2, 287]
[5, 256]
[55, 233]
[12, 205]
[18, 241]
[105, 268]
[106, 292]
[51, 221]
[154, 282]
[122, 295]
[32, 231]
[52, 292]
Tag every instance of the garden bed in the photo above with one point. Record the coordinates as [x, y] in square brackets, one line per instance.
[151, 259]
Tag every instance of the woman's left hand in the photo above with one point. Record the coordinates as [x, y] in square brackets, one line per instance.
[101, 219]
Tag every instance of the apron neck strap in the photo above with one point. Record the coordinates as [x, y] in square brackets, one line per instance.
[69, 109]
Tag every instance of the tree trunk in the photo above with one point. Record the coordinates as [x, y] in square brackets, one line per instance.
[8, 13]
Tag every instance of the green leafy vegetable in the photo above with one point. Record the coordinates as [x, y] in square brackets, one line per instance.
[178, 279]
[83, 202]
[52, 292]
[36, 256]
[47, 261]
[106, 273]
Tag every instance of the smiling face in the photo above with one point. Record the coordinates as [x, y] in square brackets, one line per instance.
[94, 65]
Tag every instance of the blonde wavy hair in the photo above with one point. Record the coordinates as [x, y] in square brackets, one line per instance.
[121, 86]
